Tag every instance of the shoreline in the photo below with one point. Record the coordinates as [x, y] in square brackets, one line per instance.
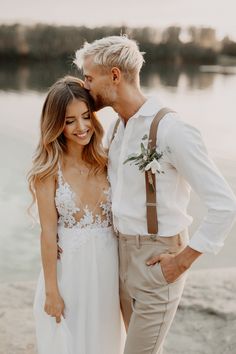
[205, 322]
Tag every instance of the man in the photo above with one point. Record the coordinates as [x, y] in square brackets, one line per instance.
[152, 265]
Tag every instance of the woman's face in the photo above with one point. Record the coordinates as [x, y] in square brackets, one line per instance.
[78, 125]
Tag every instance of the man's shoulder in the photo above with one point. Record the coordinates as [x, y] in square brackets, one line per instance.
[174, 129]
[170, 122]
[171, 119]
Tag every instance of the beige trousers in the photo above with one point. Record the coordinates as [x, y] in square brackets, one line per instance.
[148, 302]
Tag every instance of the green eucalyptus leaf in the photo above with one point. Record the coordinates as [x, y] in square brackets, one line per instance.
[143, 149]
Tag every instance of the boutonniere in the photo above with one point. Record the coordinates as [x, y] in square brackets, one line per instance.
[147, 160]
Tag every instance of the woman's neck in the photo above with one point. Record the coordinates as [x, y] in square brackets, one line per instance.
[74, 154]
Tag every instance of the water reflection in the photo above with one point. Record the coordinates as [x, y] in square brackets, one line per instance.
[38, 76]
[171, 76]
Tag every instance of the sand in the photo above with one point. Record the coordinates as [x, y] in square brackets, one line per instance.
[205, 322]
[206, 319]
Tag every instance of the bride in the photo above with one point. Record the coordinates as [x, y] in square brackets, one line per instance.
[76, 304]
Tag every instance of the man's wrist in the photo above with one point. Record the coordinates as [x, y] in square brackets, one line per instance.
[186, 257]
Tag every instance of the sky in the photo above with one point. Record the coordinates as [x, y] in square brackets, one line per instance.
[219, 14]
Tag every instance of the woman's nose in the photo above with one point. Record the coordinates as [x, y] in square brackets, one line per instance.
[80, 124]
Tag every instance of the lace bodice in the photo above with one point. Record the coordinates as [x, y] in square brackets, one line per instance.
[65, 200]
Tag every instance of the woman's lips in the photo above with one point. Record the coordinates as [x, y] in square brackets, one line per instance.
[82, 135]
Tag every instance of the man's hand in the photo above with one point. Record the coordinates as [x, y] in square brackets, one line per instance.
[173, 265]
[169, 266]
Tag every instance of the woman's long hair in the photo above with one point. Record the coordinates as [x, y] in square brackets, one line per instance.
[52, 143]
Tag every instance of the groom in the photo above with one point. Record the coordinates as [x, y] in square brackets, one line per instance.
[150, 192]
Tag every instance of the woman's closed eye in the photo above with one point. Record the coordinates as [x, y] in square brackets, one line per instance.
[87, 116]
[69, 121]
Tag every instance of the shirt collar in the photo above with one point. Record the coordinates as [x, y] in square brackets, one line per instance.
[150, 107]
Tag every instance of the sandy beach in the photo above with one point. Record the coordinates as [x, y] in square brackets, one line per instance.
[205, 322]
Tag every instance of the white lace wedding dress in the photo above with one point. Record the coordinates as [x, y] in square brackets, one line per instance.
[88, 283]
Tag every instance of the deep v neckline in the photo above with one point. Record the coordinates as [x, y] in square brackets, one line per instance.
[65, 200]
[76, 197]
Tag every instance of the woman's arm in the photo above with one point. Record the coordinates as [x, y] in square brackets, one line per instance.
[45, 193]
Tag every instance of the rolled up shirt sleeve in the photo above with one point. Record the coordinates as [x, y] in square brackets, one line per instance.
[188, 154]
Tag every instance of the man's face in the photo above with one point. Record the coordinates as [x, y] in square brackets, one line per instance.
[99, 84]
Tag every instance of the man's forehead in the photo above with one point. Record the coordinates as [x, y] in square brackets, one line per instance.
[91, 69]
[88, 65]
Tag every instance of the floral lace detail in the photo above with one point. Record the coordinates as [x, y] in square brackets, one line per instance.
[65, 200]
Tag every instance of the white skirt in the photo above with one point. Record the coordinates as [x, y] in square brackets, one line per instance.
[88, 280]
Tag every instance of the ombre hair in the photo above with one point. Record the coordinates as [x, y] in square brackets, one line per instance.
[113, 51]
[52, 143]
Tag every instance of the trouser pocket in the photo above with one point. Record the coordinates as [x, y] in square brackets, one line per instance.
[156, 274]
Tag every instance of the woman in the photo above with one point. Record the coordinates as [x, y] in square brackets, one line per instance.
[76, 304]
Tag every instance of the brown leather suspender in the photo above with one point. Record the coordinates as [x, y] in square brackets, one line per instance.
[151, 203]
[114, 130]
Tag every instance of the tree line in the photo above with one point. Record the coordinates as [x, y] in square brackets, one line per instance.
[172, 45]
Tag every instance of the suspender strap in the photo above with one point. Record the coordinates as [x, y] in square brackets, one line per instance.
[115, 130]
[151, 203]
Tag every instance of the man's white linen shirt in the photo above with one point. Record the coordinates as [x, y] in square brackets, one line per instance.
[185, 162]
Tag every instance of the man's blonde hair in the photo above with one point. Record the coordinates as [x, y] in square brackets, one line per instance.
[113, 51]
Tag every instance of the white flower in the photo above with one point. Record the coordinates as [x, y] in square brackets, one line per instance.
[147, 159]
[154, 166]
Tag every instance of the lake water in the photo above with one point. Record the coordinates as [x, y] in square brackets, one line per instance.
[205, 100]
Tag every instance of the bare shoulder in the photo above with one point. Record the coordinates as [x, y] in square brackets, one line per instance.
[45, 195]
[46, 187]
